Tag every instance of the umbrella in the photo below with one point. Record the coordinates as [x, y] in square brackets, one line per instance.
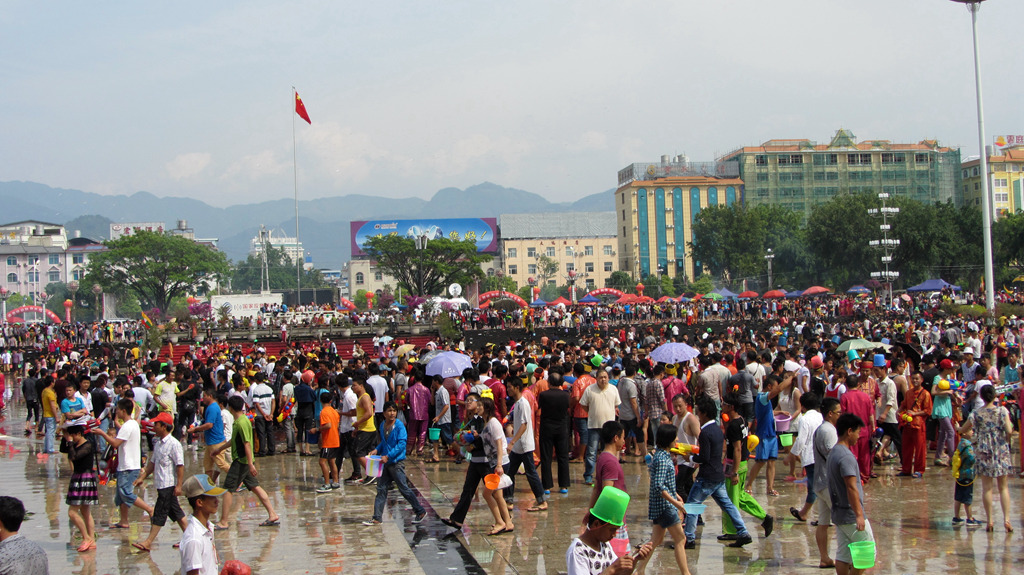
[725, 292]
[816, 290]
[794, 294]
[858, 290]
[673, 352]
[860, 343]
[385, 340]
[429, 356]
[775, 293]
[683, 299]
[449, 364]
[714, 296]
[748, 294]
[663, 299]
[905, 297]
[404, 349]
[560, 300]
[589, 299]
[1018, 279]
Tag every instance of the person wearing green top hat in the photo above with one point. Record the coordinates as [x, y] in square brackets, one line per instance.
[591, 553]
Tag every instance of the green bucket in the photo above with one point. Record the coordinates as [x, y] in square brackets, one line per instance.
[611, 506]
[434, 433]
[863, 554]
[786, 439]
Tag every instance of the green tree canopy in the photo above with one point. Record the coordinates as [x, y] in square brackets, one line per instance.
[730, 241]
[156, 268]
[426, 271]
[246, 275]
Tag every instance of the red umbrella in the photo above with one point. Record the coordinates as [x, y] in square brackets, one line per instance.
[815, 290]
[775, 293]
[747, 294]
[628, 298]
[697, 297]
[663, 299]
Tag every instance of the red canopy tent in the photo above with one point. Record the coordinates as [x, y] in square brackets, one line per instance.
[626, 299]
[663, 299]
[816, 290]
[774, 294]
[560, 300]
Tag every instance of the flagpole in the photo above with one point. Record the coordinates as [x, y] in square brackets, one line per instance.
[295, 183]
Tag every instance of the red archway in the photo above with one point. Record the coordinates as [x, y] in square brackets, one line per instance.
[487, 296]
[14, 315]
[607, 291]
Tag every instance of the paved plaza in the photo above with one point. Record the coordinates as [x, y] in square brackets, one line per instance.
[324, 533]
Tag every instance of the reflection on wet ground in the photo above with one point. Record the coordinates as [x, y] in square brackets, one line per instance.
[324, 533]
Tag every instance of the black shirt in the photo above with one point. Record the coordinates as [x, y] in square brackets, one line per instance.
[710, 456]
[554, 407]
[736, 431]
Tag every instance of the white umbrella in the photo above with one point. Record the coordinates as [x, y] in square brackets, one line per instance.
[449, 364]
[674, 352]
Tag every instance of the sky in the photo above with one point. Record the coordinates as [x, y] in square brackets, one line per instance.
[194, 99]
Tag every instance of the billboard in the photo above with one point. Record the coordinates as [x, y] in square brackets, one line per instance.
[483, 231]
[118, 230]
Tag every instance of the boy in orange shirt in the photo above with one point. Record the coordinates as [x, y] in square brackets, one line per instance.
[330, 442]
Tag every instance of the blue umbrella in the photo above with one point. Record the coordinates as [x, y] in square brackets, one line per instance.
[536, 303]
[674, 352]
[449, 364]
[794, 293]
[858, 289]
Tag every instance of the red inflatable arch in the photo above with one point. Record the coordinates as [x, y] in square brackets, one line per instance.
[607, 291]
[487, 296]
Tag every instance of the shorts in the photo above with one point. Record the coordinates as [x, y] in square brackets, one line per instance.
[446, 434]
[846, 534]
[238, 474]
[364, 444]
[963, 494]
[220, 461]
[890, 429]
[125, 494]
[824, 505]
[328, 453]
[166, 506]
[768, 448]
[668, 518]
[631, 428]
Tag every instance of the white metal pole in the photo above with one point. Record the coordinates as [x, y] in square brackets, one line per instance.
[986, 200]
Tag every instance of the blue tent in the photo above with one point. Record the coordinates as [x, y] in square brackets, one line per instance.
[933, 285]
[794, 294]
[539, 303]
[724, 292]
[589, 299]
[858, 290]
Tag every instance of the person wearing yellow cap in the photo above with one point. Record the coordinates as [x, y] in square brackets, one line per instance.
[591, 553]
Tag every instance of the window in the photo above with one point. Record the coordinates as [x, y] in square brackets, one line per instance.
[33, 277]
[826, 159]
[588, 250]
[791, 177]
[511, 252]
[12, 260]
[531, 252]
[570, 251]
[53, 276]
[974, 172]
[77, 275]
[893, 158]
[78, 259]
[12, 278]
[588, 267]
[54, 259]
[32, 260]
[378, 276]
[1002, 197]
[608, 251]
[590, 283]
[359, 278]
[762, 176]
[607, 266]
[513, 270]
[858, 159]
[531, 269]
[570, 267]
[550, 252]
[922, 159]
[1000, 182]
[761, 160]
[552, 282]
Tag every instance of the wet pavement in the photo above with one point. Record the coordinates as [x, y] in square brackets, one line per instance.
[324, 533]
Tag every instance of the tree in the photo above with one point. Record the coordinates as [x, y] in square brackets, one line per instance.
[730, 241]
[426, 271]
[156, 268]
[621, 281]
[495, 283]
[547, 269]
[246, 275]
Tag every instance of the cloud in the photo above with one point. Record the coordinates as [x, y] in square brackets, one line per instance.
[590, 140]
[256, 166]
[187, 165]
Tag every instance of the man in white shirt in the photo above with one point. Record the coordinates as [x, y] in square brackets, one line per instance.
[380, 392]
[599, 401]
[128, 443]
[167, 466]
[346, 425]
[198, 555]
[263, 403]
[522, 446]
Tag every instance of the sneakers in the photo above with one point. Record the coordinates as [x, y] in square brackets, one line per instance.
[768, 524]
[563, 491]
[371, 523]
[354, 479]
[323, 488]
[741, 541]
[690, 544]
[369, 481]
[335, 485]
[419, 518]
[958, 521]
[973, 523]
[728, 537]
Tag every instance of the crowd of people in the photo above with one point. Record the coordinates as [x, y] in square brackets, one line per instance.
[929, 391]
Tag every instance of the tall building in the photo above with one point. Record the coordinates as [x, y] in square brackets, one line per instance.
[656, 205]
[1005, 183]
[583, 243]
[291, 247]
[800, 174]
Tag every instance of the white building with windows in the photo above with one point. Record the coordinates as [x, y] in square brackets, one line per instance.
[582, 242]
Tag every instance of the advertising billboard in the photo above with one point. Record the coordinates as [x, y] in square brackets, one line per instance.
[483, 231]
[119, 230]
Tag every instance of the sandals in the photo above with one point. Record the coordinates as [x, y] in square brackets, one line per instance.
[796, 514]
[431, 460]
[119, 526]
[536, 509]
[773, 493]
[139, 546]
[271, 522]
[447, 521]
[89, 545]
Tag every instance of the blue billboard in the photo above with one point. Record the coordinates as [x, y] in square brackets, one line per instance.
[483, 231]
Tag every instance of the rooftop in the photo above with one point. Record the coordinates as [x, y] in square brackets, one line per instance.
[557, 225]
[843, 140]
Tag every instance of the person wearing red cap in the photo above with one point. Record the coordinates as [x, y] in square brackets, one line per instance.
[167, 466]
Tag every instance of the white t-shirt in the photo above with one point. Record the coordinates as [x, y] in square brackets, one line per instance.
[129, 454]
[600, 404]
[264, 395]
[197, 551]
[380, 389]
[348, 403]
[580, 559]
[522, 415]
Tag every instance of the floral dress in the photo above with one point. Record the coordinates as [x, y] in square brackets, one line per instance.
[992, 451]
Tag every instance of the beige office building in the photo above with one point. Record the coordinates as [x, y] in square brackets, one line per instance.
[580, 242]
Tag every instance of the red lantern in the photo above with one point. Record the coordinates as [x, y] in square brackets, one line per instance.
[369, 296]
[640, 288]
[67, 310]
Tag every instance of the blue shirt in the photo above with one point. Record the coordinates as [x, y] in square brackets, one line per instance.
[393, 444]
[215, 434]
[73, 404]
[765, 416]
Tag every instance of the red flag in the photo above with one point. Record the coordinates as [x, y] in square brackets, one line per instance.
[300, 109]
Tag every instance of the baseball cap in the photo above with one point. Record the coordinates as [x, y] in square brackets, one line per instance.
[200, 485]
[816, 362]
[164, 418]
[946, 364]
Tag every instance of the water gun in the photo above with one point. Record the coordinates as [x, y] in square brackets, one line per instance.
[907, 417]
[287, 410]
[251, 415]
[684, 449]
[146, 426]
[953, 384]
[955, 465]
[1004, 389]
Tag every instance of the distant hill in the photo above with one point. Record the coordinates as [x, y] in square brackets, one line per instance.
[324, 222]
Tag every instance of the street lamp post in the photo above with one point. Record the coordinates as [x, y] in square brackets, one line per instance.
[768, 257]
[986, 211]
[97, 289]
[4, 294]
[421, 244]
[73, 288]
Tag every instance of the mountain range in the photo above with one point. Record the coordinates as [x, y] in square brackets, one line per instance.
[324, 222]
